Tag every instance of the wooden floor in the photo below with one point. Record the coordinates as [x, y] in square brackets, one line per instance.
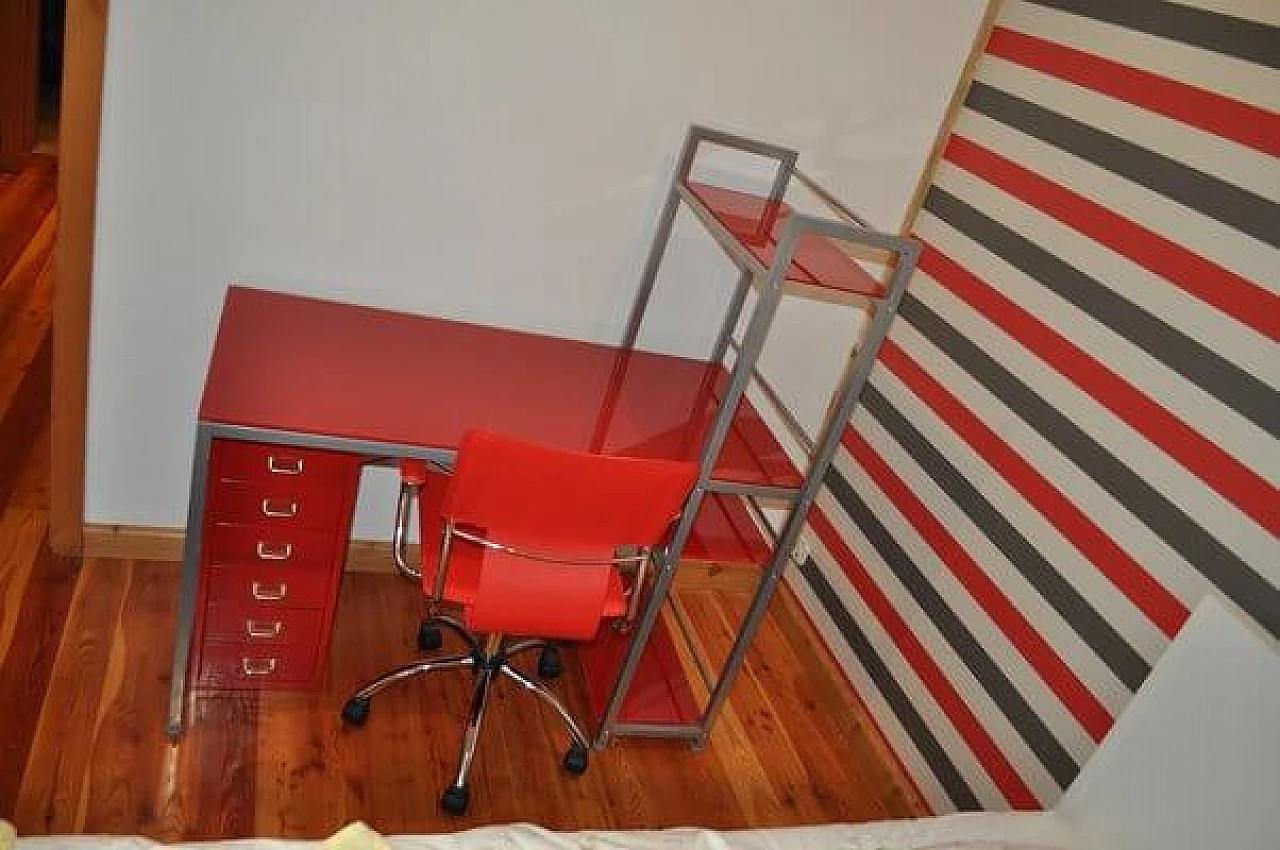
[84, 675]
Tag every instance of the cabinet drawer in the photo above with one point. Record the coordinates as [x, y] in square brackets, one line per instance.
[272, 546]
[238, 665]
[276, 504]
[263, 626]
[269, 588]
[241, 461]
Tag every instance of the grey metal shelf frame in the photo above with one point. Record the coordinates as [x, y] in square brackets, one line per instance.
[769, 278]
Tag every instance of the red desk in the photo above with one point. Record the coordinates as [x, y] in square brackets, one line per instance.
[300, 392]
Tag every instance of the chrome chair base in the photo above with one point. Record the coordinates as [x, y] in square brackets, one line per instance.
[488, 663]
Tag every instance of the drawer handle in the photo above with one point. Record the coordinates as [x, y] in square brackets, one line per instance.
[270, 508]
[270, 594]
[286, 467]
[255, 629]
[258, 666]
[267, 552]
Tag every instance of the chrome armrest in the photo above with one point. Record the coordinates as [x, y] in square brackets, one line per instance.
[637, 588]
[400, 536]
[442, 566]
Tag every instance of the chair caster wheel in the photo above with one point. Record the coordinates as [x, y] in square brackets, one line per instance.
[429, 638]
[355, 712]
[575, 760]
[549, 666]
[454, 800]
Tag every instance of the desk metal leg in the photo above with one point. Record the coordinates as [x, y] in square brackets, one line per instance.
[190, 580]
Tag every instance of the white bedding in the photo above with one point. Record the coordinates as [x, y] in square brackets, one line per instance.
[1018, 831]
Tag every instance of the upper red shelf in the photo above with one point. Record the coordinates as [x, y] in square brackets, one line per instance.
[756, 222]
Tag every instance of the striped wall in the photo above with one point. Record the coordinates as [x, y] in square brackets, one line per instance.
[1071, 436]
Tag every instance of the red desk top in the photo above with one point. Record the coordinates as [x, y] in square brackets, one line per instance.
[291, 363]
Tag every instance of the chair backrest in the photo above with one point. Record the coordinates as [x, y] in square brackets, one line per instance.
[534, 496]
[556, 503]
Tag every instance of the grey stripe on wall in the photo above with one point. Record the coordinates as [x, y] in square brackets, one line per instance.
[1239, 208]
[1243, 39]
[1128, 666]
[924, 740]
[1220, 565]
[1052, 755]
[1233, 386]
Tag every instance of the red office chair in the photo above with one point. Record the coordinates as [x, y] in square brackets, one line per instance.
[530, 541]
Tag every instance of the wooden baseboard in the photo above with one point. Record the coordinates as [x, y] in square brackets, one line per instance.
[153, 543]
[133, 542]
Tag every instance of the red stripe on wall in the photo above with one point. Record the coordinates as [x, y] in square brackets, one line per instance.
[1129, 577]
[1245, 123]
[1239, 484]
[1237, 296]
[1060, 678]
[952, 703]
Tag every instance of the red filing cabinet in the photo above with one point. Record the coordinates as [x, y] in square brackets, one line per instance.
[276, 526]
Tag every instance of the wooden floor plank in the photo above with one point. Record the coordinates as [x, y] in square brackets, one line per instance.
[30, 487]
[17, 282]
[35, 593]
[835, 708]
[24, 204]
[125, 786]
[50, 793]
[21, 425]
[282, 764]
[26, 336]
[752, 769]
[215, 791]
[817, 726]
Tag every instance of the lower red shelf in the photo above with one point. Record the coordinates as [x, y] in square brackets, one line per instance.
[659, 691]
[725, 533]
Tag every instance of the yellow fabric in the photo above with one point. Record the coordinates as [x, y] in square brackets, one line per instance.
[8, 838]
[353, 836]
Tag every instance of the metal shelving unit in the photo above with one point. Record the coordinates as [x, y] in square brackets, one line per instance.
[779, 252]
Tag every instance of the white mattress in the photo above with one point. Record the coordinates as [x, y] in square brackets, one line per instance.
[1018, 831]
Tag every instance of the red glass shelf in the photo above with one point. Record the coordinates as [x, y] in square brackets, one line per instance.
[724, 533]
[757, 222]
[659, 691]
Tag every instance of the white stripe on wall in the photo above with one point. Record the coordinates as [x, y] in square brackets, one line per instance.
[1235, 434]
[1233, 529]
[1028, 682]
[1228, 338]
[1077, 570]
[976, 697]
[1223, 158]
[1206, 69]
[1161, 561]
[1218, 242]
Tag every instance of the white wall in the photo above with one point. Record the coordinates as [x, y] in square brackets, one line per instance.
[498, 161]
[1194, 760]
